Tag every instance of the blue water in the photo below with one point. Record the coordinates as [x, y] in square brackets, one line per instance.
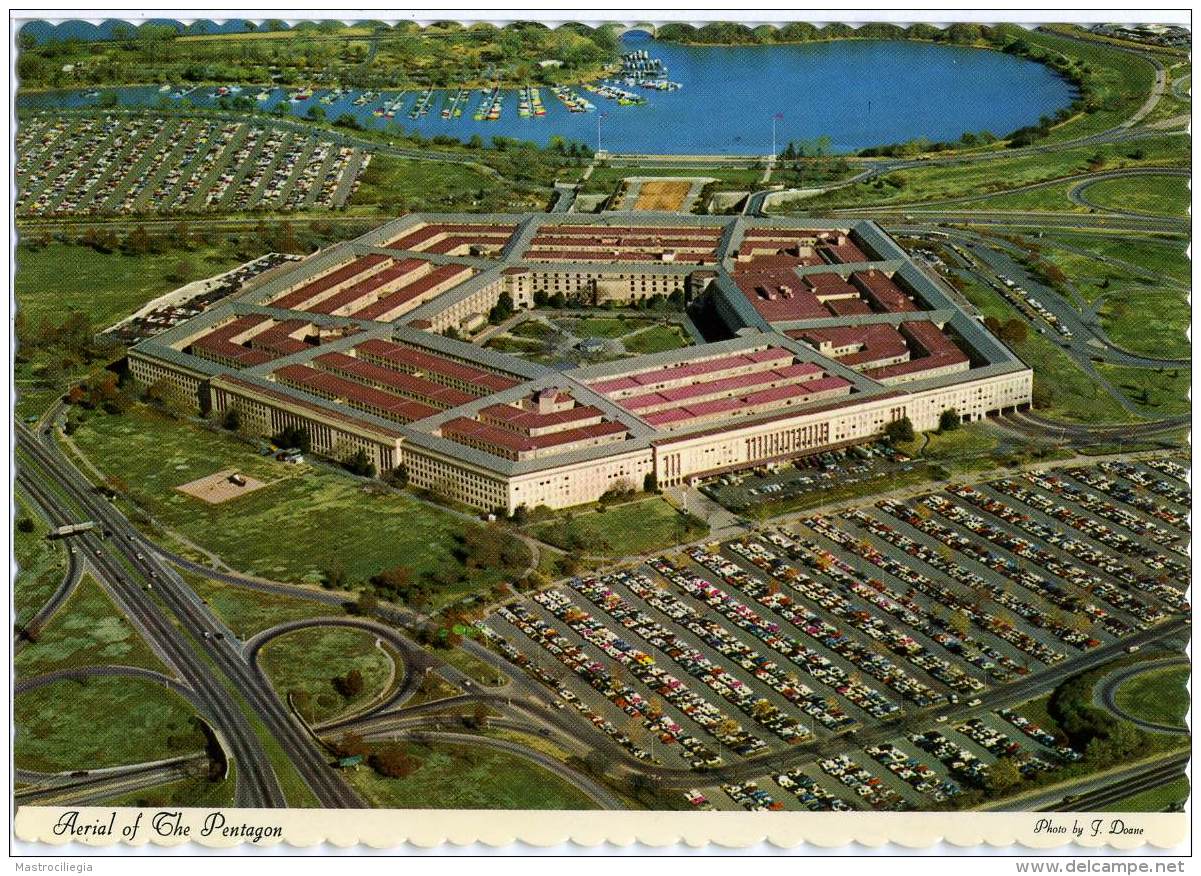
[857, 93]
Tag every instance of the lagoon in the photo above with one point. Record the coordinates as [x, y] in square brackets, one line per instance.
[857, 93]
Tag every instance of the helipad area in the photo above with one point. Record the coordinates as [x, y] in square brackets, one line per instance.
[831, 333]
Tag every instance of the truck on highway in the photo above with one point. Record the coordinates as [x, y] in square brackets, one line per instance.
[72, 529]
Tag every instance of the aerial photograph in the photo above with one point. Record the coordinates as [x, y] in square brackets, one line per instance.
[622, 415]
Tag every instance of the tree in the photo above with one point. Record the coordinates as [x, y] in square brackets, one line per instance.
[25, 524]
[392, 761]
[650, 483]
[899, 431]
[295, 437]
[360, 464]
[349, 685]
[232, 419]
[948, 420]
[334, 577]
[366, 605]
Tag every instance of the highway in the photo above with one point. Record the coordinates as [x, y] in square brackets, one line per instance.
[1107, 790]
[196, 621]
[99, 786]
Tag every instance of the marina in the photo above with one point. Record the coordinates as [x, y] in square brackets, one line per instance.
[661, 98]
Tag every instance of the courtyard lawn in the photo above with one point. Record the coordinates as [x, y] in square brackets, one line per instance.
[467, 777]
[305, 663]
[604, 326]
[656, 339]
[101, 722]
[1159, 695]
[635, 527]
[87, 630]
[247, 612]
[969, 441]
[533, 329]
[305, 522]
[41, 564]
[1152, 195]
[1158, 392]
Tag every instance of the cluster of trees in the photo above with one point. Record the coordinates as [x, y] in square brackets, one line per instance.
[349, 685]
[360, 464]
[293, 437]
[502, 309]
[102, 389]
[404, 53]
[492, 547]
[398, 584]
[1013, 331]
[949, 420]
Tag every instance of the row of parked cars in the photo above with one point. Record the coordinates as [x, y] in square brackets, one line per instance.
[770, 632]
[50, 180]
[1070, 580]
[721, 681]
[919, 776]
[866, 786]
[643, 665]
[1130, 494]
[847, 599]
[956, 601]
[809, 791]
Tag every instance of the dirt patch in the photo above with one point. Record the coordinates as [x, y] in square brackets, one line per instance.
[221, 486]
[665, 195]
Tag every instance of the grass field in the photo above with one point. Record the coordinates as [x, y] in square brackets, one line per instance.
[1075, 395]
[1152, 195]
[967, 442]
[1160, 695]
[656, 339]
[938, 182]
[53, 279]
[1155, 800]
[662, 195]
[296, 528]
[603, 326]
[304, 663]
[633, 528]
[103, 722]
[398, 185]
[1166, 391]
[1147, 317]
[1163, 255]
[468, 777]
[86, 631]
[247, 612]
[40, 563]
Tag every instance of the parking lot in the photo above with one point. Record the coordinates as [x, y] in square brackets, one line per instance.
[131, 165]
[722, 653]
[743, 491]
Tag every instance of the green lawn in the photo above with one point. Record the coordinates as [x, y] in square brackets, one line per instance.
[1159, 695]
[1075, 395]
[53, 279]
[1146, 317]
[468, 777]
[305, 522]
[1166, 391]
[102, 722]
[1162, 254]
[1152, 195]
[247, 612]
[517, 346]
[967, 442]
[633, 528]
[398, 185]
[1156, 800]
[656, 339]
[938, 182]
[40, 563]
[88, 630]
[603, 326]
[304, 663]
[532, 328]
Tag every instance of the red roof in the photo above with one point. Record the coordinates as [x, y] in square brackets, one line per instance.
[414, 359]
[328, 412]
[377, 401]
[436, 277]
[405, 384]
[312, 289]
